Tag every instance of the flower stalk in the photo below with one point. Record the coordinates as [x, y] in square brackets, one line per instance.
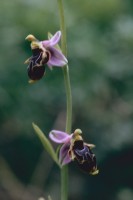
[64, 170]
[62, 26]
[66, 68]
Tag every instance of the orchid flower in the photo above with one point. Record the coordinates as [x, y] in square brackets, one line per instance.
[44, 52]
[74, 148]
[62, 137]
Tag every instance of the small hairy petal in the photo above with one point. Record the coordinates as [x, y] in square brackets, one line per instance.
[57, 58]
[53, 41]
[59, 136]
[45, 43]
[64, 157]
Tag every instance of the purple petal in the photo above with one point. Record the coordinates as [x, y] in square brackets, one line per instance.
[53, 41]
[45, 43]
[59, 136]
[57, 58]
[64, 157]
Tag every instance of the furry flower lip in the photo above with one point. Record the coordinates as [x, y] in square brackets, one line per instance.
[75, 149]
[44, 52]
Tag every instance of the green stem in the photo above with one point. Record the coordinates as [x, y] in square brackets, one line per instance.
[64, 170]
[64, 183]
[68, 99]
[65, 68]
[62, 26]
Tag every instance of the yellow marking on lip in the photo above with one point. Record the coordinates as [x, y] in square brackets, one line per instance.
[32, 81]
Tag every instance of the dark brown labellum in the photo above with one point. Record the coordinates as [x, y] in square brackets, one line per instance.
[36, 73]
[36, 68]
[86, 160]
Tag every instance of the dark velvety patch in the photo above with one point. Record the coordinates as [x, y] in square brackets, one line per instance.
[85, 159]
[36, 73]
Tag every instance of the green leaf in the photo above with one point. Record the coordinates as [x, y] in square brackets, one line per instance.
[46, 143]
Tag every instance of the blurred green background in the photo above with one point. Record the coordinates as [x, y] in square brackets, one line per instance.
[100, 54]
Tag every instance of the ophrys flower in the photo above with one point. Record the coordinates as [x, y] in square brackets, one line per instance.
[44, 52]
[74, 148]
